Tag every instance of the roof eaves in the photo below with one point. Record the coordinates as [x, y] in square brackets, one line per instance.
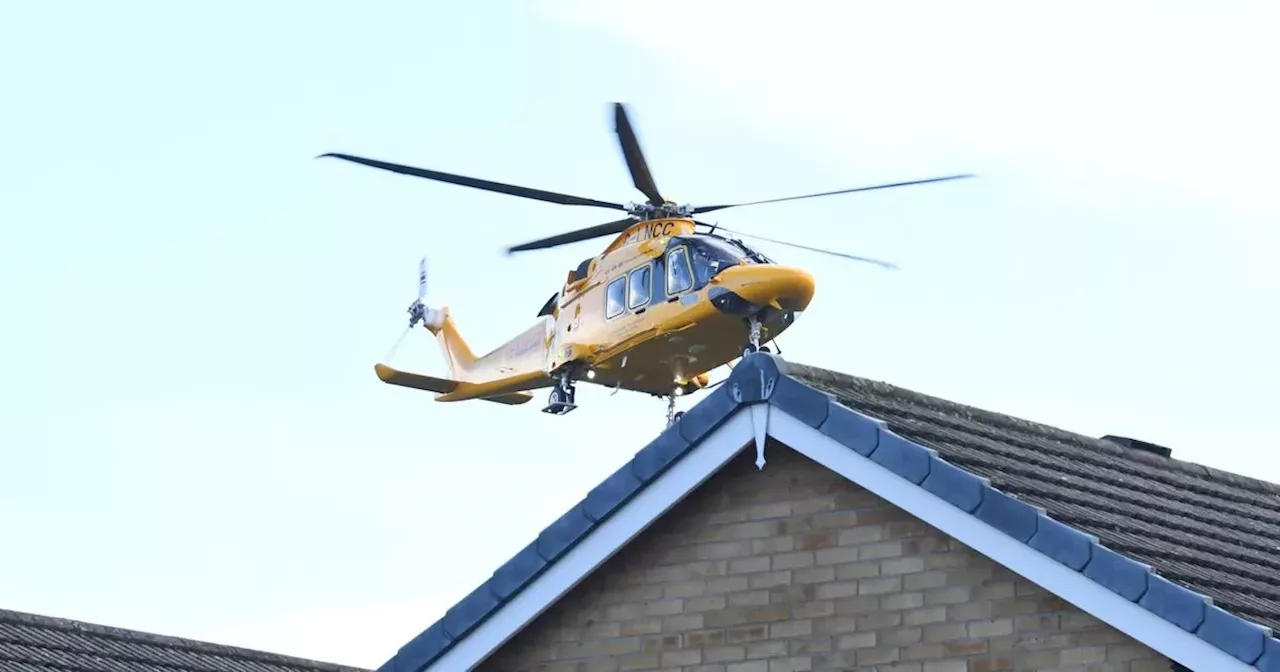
[764, 378]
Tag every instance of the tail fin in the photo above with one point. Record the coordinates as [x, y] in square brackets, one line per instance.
[456, 351]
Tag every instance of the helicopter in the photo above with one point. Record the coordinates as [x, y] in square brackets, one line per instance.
[666, 302]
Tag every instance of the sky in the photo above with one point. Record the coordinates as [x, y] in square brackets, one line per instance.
[192, 438]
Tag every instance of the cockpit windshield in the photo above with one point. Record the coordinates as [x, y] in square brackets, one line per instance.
[712, 255]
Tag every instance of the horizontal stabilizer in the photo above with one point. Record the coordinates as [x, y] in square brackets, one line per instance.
[418, 381]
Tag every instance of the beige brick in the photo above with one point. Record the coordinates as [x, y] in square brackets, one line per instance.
[722, 654]
[794, 569]
[857, 570]
[836, 556]
[749, 565]
[901, 601]
[925, 616]
[813, 574]
[882, 586]
[753, 598]
[790, 629]
[877, 656]
[879, 550]
[769, 579]
[680, 658]
[1084, 655]
[793, 560]
[771, 648]
[826, 591]
[969, 611]
[791, 664]
[907, 565]
[859, 640]
[860, 535]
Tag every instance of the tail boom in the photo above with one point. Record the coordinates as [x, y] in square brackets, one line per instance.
[504, 375]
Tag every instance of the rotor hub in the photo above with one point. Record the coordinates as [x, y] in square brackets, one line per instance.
[647, 211]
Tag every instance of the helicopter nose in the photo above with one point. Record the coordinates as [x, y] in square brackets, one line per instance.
[744, 288]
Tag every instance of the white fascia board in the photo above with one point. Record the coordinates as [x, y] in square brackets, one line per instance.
[1074, 587]
[703, 459]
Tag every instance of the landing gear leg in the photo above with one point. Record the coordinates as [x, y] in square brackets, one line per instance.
[562, 395]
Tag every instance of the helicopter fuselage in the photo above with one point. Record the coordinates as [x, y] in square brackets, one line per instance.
[658, 309]
[665, 305]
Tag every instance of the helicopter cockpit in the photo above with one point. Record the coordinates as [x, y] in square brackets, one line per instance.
[712, 254]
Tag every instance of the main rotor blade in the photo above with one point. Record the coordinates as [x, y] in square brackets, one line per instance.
[640, 174]
[710, 208]
[883, 264]
[575, 236]
[511, 190]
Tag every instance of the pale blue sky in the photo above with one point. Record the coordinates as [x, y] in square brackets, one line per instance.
[193, 439]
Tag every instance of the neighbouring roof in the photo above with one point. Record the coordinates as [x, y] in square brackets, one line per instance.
[33, 643]
[1158, 532]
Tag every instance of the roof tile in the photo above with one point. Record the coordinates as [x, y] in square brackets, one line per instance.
[705, 416]
[805, 403]
[1063, 543]
[851, 428]
[960, 488]
[904, 458]
[522, 568]
[1007, 514]
[421, 650]
[34, 642]
[561, 535]
[464, 615]
[654, 458]
[1232, 634]
[1117, 573]
[753, 378]
[613, 492]
[1174, 603]
[1270, 660]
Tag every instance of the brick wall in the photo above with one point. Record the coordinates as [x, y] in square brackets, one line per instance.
[792, 569]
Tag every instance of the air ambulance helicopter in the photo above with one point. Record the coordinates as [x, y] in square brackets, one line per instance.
[659, 308]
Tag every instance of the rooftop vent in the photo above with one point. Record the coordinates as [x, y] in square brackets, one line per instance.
[1137, 444]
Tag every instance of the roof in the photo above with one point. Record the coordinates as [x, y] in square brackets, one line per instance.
[33, 643]
[1177, 555]
[1214, 532]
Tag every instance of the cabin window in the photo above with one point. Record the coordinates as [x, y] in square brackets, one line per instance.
[679, 275]
[615, 298]
[641, 287]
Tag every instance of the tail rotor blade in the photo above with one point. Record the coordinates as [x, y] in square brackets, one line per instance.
[422, 279]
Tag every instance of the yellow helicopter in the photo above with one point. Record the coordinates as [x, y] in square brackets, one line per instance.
[658, 309]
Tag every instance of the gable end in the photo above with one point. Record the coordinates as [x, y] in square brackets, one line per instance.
[1129, 595]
